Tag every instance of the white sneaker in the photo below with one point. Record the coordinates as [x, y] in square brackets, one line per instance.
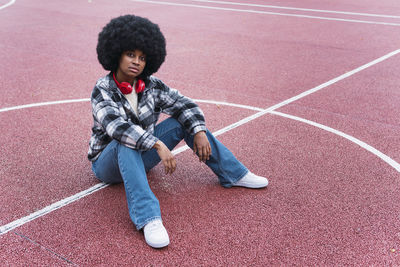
[155, 234]
[250, 180]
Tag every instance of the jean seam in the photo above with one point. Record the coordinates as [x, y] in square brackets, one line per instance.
[231, 178]
[128, 189]
[94, 169]
[96, 162]
[246, 171]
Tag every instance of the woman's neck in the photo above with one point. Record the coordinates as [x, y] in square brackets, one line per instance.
[119, 75]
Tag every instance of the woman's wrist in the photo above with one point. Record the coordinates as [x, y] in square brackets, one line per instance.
[158, 145]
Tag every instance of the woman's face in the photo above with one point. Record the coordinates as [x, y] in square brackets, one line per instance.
[131, 65]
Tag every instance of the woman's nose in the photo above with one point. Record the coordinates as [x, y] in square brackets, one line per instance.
[135, 60]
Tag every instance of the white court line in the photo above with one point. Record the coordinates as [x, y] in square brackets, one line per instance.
[228, 104]
[185, 147]
[44, 104]
[267, 12]
[308, 92]
[297, 9]
[41, 104]
[12, 225]
[8, 4]
[55, 206]
[362, 144]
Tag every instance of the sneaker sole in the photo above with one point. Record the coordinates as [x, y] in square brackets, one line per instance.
[252, 185]
[160, 245]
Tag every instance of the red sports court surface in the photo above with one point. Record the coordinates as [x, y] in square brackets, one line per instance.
[306, 94]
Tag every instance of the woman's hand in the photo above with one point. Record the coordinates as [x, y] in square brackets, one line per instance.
[201, 146]
[166, 157]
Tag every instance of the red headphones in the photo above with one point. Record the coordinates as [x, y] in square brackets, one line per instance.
[126, 88]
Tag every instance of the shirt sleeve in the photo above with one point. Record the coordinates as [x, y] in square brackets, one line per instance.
[107, 113]
[184, 109]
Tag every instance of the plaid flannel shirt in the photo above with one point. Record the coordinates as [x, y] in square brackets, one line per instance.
[114, 117]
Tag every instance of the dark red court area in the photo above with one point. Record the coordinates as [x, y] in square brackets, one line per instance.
[306, 93]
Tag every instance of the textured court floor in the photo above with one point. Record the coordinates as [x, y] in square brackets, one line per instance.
[306, 94]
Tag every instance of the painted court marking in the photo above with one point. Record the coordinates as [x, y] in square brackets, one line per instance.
[44, 104]
[8, 4]
[12, 225]
[297, 8]
[266, 12]
[55, 206]
[362, 144]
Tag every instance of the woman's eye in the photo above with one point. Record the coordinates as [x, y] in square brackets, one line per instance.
[143, 58]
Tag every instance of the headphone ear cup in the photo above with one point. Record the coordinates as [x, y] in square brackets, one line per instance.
[140, 85]
[126, 88]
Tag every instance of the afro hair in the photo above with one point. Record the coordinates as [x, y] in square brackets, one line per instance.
[127, 33]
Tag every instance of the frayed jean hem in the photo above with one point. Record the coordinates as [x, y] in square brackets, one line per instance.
[230, 184]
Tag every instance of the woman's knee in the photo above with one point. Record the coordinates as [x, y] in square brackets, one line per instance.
[174, 123]
[170, 127]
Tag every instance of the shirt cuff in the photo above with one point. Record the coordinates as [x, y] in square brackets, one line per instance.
[146, 142]
[199, 128]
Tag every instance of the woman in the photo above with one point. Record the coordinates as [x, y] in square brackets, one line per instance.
[126, 142]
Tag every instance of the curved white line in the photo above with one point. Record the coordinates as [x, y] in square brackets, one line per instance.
[8, 4]
[44, 104]
[262, 111]
[88, 99]
[8, 227]
[362, 144]
[267, 12]
[298, 9]
[228, 104]
[59, 204]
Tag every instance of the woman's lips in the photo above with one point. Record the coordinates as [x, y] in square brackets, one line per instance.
[135, 70]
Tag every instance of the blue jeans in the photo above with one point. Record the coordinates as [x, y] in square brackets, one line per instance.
[118, 163]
